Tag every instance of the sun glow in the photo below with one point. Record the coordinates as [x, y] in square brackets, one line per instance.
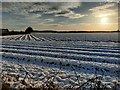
[104, 20]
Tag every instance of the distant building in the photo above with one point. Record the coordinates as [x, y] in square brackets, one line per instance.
[4, 31]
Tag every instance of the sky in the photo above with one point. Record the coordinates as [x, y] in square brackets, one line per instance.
[60, 16]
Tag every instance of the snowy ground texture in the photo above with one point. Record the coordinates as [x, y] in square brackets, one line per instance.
[67, 61]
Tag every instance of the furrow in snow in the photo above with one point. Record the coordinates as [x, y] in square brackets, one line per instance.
[66, 56]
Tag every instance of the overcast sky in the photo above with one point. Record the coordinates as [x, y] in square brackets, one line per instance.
[60, 16]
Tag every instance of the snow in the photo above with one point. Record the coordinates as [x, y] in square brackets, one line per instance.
[65, 62]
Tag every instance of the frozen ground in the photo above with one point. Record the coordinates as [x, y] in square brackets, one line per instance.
[67, 61]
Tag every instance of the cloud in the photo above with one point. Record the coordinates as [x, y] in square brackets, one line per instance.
[63, 9]
[57, 7]
[16, 8]
[105, 6]
[62, 5]
[104, 10]
[104, 13]
[70, 14]
[34, 12]
[44, 21]
[49, 20]
[41, 8]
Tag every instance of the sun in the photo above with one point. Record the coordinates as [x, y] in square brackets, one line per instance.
[104, 20]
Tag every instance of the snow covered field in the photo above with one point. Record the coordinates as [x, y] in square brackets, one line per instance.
[69, 60]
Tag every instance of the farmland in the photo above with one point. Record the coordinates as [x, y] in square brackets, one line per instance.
[68, 60]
